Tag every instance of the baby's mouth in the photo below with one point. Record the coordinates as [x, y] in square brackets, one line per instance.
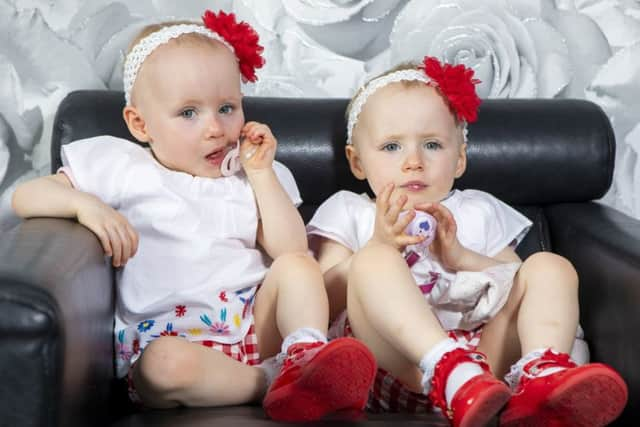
[414, 186]
[215, 157]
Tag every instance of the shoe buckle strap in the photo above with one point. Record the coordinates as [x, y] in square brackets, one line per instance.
[548, 359]
[298, 352]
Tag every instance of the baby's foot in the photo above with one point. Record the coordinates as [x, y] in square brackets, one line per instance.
[588, 395]
[477, 400]
[319, 379]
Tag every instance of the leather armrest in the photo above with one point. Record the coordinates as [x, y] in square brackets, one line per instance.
[604, 246]
[56, 322]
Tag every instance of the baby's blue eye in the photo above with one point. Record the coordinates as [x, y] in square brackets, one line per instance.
[391, 146]
[432, 145]
[225, 109]
[188, 113]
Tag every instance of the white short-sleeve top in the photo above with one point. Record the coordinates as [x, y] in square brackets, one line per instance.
[197, 267]
[484, 224]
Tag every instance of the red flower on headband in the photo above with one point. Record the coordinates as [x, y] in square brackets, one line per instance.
[242, 37]
[457, 84]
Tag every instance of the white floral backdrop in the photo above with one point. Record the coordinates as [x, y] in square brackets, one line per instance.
[587, 49]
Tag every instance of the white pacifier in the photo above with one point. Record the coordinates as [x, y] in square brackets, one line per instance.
[231, 163]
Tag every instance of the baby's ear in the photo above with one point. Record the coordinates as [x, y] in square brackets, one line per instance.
[461, 166]
[354, 162]
[136, 124]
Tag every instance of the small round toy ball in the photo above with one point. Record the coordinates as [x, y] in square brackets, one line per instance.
[425, 225]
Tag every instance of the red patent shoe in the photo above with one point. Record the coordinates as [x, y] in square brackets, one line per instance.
[478, 400]
[588, 395]
[318, 379]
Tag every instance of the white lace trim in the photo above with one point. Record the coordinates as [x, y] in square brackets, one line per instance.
[517, 370]
[376, 84]
[302, 335]
[430, 360]
[148, 44]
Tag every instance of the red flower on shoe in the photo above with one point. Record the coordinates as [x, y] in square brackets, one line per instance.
[457, 85]
[242, 37]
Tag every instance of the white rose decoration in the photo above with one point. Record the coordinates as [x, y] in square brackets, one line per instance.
[37, 67]
[619, 19]
[319, 47]
[616, 88]
[357, 29]
[518, 48]
[5, 155]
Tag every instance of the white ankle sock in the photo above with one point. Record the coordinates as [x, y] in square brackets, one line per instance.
[302, 335]
[515, 373]
[458, 376]
[271, 368]
[430, 360]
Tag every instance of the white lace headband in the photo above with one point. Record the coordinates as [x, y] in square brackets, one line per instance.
[148, 44]
[377, 84]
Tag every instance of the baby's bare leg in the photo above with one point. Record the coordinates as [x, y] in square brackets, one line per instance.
[388, 312]
[173, 371]
[499, 340]
[291, 297]
[542, 312]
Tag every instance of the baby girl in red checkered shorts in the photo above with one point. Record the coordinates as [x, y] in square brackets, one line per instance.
[191, 222]
[428, 278]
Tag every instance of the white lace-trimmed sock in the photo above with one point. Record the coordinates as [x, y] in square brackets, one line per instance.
[271, 368]
[457, 377]
[302, 335]
[430, 360]
[515, 373]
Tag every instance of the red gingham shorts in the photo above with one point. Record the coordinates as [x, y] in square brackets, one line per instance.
[245, 351]
[388, 393]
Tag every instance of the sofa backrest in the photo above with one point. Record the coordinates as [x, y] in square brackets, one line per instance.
[527, 152]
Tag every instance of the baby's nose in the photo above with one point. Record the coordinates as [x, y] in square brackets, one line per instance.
[215, 127]
[414, 160]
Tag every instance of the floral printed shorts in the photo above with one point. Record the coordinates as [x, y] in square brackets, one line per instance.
[388, 393]
[245, 351]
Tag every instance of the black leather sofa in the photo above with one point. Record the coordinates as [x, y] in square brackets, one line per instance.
[548, 158]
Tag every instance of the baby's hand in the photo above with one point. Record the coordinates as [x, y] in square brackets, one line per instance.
[423, 225]
[258, 148]
[117, 237]
[390, 226]
[446, 247]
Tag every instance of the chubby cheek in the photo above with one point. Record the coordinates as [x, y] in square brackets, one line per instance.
[235, 126]
[377, 181]
[376, 172]
[169, 157]
[376, 186]
[234, 135]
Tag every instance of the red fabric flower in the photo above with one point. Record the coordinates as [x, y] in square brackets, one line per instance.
[242, 37]
[457, 84]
